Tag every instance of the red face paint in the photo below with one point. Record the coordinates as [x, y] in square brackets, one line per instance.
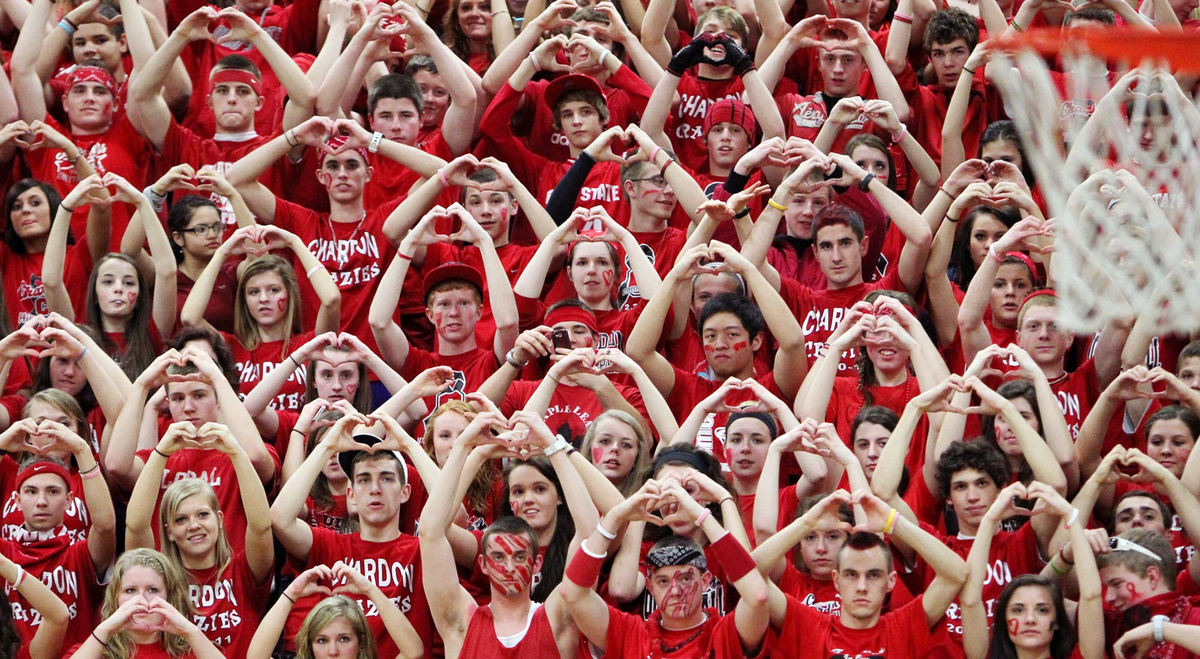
[131, 297]
[1014, 626]
[509, 575]
[1132, 592]
[607, 278]
[709, 348]
[648, 193]
[597, 454]
[281, 304]
[741, 345]
[680, 598]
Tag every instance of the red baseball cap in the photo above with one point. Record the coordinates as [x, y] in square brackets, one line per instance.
[453, 270]
[731, 110]
[569, 83]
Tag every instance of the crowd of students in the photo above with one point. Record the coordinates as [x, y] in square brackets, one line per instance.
[487, 329]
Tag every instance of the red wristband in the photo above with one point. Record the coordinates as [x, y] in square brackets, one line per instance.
[732, 557]
[584, 569]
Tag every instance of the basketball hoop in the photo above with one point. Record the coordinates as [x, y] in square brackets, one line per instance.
[1117, 159]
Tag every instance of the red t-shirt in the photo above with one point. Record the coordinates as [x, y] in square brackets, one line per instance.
[394, 566]
[572, 409]
[929, 103]
[823, 595]
[24, 296]
[355, 253]
[66, 568]
[847, 399]
[630, 636]
[1013, 553]
[228, 607]
[811, 634]
[625, 94]
[685, 126]
[471, 368]
[690, 390]
[253, 365]
[219, 312]
[120, 150]
[1077, 391]
[481, 641]
[821, 311]
[216, 469]
[182, 145]
[76, 520]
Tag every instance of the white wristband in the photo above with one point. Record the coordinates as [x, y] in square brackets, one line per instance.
[373, 145]
[605, 532]
[559, 445]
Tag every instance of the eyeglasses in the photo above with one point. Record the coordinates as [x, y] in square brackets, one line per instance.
[204, 229]
[1117, 543]
[658, 180]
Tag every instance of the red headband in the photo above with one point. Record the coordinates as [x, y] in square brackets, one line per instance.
[1023, 258]
[237, 76]
[572, 314]
[89, 73]
[43, 467]
[1040, 291]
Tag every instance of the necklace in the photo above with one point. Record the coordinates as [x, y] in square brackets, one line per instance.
[354, 234]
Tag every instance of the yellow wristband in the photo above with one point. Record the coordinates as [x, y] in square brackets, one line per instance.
[777, 206]
[890, 524]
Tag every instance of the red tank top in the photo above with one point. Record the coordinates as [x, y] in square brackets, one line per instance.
[481, 638]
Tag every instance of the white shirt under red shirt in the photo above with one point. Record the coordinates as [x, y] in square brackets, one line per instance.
[685, 126]
[355, 253]
[394, 566]
[66, 567]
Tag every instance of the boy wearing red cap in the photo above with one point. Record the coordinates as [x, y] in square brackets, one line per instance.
[580, 112]
[453, 304]
[44, 549]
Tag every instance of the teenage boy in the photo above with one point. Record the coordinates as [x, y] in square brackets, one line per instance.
[1139, 576]
[510, 624]
[864, 575]
[453, 304]
[351, 242]
[731, 328]
[378, 488]
[235, 94]
[73, 569]
[678, 576]
[840, 244]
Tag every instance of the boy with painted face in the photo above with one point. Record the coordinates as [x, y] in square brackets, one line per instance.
[378, 488]
[864, 575]
[236, 93]
[1139, 576]
[677, 578]
[43, 548]
[453, 305]
[731, 329]
[511, 624]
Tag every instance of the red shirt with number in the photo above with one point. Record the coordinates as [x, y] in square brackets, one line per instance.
[253, 365]
[228, 605]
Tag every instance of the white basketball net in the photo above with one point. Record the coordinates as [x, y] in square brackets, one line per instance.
[1126, 199]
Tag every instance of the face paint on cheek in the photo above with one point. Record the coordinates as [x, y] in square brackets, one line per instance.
[281, 304]
[708, 348]
[510, 581]
[684, 594]
[741, 345]
[1014, 626]
[131, 297]
[597, 454]
[607, 278]
[1132, 593]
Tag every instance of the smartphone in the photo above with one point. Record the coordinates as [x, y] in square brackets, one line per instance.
[561, 339]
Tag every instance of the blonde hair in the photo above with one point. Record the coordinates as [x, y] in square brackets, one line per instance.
[172, 499]
[323, 614]
[480, 491]
[120, 646]
[641, 463]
